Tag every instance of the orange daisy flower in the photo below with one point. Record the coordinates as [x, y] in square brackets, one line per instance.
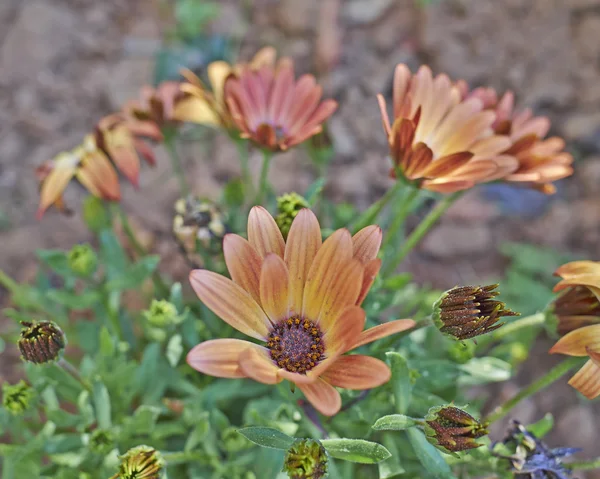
[579, 303]
[541, 161]
[438, 140]
[268, 106]
[88, 163]
[301, 298]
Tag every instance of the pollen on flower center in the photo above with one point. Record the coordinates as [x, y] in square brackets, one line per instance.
[296, 344]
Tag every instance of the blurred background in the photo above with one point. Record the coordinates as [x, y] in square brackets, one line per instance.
[66, 63]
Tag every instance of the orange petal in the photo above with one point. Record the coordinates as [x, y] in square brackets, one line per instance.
[243, 263]
[594, 356]
[263, 233]
[366, 243]
[303, 242]
[447, 164]
[576, 268]
[381, 331]
[330, 259]
[576, 342]
[369, 275]
[589, 280]
[98, 176]
[322, 396]
[256, 364]
[230, 302]
[587, 380]
[63, 169]
[274, 287]
[220, 357]
[357, 372]
[345, 330]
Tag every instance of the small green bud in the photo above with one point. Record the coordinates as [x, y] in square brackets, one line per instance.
[141, 462]
[306, 459]
[41, 342]
[162, 314]
[83, 260]
[451, 429]
[101, 441]
[462, 352]
[17, 398]
[234, 441]
[94, 214]
[288, 207]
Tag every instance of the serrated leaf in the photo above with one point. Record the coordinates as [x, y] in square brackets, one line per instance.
[356, 450]
[394, 422]
[401, 383]
[267, 437]
[429, 457]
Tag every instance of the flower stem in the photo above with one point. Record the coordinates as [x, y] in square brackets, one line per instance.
[584, 465]
[173, 458]
[420, 231]
[551, 376]
[400, 217]
[242, 147]
[370, 214]
[9, 283]
[72, 370]
[264, 174]
[170, 144]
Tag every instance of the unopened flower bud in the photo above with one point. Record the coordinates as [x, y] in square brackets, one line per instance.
[288, 207]
[41, 342]
[101, 441]
[162, 314]
[83, 260]
[451, 429]
[17, 398]
[306, 459]
[469, 311]
[141, 462]
[575, 308]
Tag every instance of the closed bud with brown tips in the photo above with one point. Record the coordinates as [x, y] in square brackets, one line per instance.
[41, 342]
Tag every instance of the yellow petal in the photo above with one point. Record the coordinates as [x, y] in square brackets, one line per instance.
[576, 268]
[322, 396]
[196, 109]
[345, 330]
[243, 263]
[369, 275]
[274, 287]
[587, 380]
[63, 169]
[357, 372]
[381, 331]
[230, 302]
[217, 74]
[220, 357]
[366, 243]
[263, 233]
[256, 364]
[98, 176]
[576, 342]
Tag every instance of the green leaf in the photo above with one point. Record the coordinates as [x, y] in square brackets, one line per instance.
[356, 450]
[102, 405]
[313, 192]
[484, 370]
[73, 300]
[56, 260]
[398, 281]
[401, 383]
[174, 350]
[143, 420]
[542, 427]
[135, 275]
[429, 457]
[107, 344]
[267, 437]
[234, 193]
[391, 467]
[394, 422]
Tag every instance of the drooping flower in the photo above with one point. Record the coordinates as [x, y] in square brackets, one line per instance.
[270, 107]
[540, 161]
[439, 141]
[41, 342]
[156, 105]
[469, 311]
[301, 298]
[141, 462]
[579, 303]
[453, 430]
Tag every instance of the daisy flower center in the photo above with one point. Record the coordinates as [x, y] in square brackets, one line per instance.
[296, 344]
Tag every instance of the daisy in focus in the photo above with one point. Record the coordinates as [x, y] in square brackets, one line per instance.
[437, 139]
[301, 299]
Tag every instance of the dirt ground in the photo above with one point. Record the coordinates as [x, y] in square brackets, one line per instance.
[65, 63]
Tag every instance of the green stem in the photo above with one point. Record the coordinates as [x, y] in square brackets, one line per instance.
[173, 458]
[536, 319]
[584, 465]
[170, 145]
[420, 231]
[264, 174]
[551, 376]
[9, 283]
[242, 147]
[369, 216]
[72, 370]
[400, 217]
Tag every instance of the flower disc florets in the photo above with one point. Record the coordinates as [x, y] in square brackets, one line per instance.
[296, 344]
[41, 342]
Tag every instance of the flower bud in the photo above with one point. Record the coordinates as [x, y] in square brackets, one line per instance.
[288, 206]
[306, 459]
[83, 260]
[162, 314]
[41, 342]
[451, 429]
[469, 311]
[17, 398]
[141, 462]
[576, 308]
[101, 441]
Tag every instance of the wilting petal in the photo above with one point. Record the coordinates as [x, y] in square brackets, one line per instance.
[366, 243]
[345, 330]
[576, 342]
[331, 257]
[263, 233]
[303, 242]
[98, 176]
[243, 263]
[369, 275]
[587, 380]
[220, 357]
[357, 372]
[230, 302]
[322, 396]
[63, 169]
[256, 364]
[274, 287]
[381, 331]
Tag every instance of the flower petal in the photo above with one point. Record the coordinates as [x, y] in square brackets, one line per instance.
[230, 302]
[576, 268]
[576, 342]
[98, 176]
[243, 263]
[381, 331]
[263, 233]
[256, 364]
[369, 275]
[55, 183]
[322, 396]
[274, 287]
[220, 357]
[357, 372]
[366, 243]
[587, 380]
[345, 330]
[303, 242]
